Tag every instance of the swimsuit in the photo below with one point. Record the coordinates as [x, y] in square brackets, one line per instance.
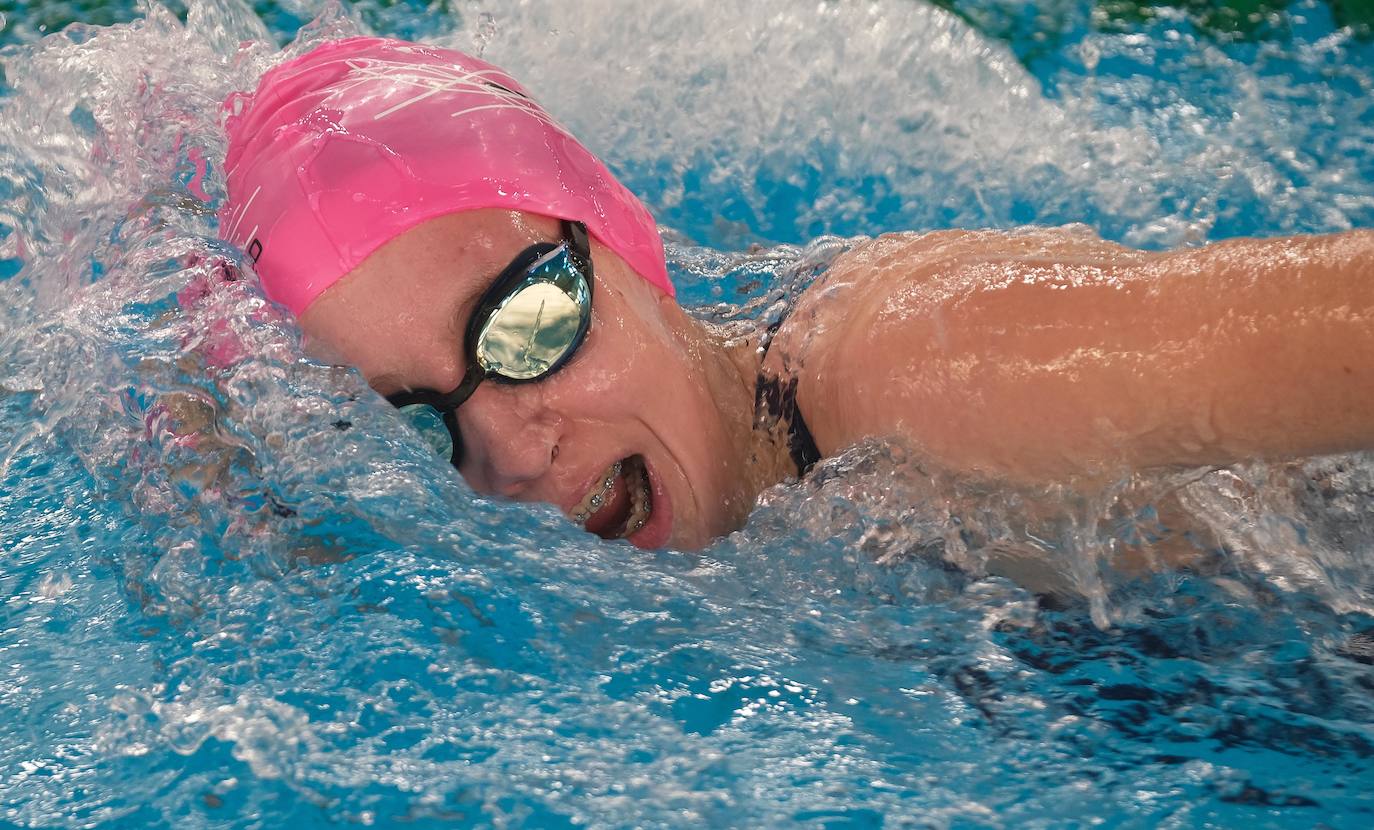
[775, 401]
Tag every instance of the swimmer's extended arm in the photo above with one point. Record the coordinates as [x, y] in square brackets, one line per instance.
[1053, 355]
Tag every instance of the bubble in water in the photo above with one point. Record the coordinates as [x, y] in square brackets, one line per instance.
[486, 31]
[1089, 54]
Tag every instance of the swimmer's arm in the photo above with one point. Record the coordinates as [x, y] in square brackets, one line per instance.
[193, 420]
[1082, 360]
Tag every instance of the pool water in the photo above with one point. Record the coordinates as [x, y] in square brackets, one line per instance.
[309, 621]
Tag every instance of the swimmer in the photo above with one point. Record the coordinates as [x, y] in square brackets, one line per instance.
[432, 226]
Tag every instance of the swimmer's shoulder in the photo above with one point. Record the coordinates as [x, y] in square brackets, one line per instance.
[895, 278]
[901, 272]
[870, 270]
[866, 331]
[818, 342]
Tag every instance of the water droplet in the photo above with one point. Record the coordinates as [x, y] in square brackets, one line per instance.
[486, 31]
[1090, 55]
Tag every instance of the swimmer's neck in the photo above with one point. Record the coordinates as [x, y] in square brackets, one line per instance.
[731, 362]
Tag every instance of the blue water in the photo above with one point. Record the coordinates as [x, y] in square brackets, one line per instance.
[308, 621]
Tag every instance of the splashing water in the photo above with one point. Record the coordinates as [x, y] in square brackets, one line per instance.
[239, 592]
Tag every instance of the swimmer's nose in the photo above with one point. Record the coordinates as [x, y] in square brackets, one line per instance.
[509, 442]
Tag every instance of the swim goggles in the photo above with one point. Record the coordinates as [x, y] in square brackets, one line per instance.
[526, 327]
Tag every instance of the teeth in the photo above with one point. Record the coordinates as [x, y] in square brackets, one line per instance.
[641, 503]
[597, 497]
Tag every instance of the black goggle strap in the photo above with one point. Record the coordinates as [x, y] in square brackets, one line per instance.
[579, 246]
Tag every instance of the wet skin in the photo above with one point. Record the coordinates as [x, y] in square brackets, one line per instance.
[1050, 355]
[1039, 356]
[647, 381]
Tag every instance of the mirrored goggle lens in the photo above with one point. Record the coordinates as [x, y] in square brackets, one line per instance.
[537, 326]
[430, 424]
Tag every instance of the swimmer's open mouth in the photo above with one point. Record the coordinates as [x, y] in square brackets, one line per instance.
[619, 503]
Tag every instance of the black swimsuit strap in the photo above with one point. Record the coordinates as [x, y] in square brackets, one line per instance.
[776, 400]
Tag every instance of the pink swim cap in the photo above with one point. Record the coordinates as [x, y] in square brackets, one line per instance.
[359, 140]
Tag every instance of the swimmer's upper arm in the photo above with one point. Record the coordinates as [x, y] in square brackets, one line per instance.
[1061, 356]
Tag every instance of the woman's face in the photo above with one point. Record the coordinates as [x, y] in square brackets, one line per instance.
[636, 393]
